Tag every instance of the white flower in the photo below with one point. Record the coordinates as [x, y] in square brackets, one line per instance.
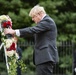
[3, 34]
[3, 39]
[13, 40]
[0, 28]
[4, 17]
[10, 53]
[17, 56]
[8, 43]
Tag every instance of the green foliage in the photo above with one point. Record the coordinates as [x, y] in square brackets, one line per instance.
[65, 56]
[12, 67]
[63, 16]
[22, 65]
[67, 61]
[13, 64]
[28, 57]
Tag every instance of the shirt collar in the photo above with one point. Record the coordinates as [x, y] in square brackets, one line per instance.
[43, 17]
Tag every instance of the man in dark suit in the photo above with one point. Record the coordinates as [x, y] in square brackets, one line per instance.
[45, 33]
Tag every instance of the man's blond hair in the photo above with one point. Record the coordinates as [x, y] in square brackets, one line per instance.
[36, 9]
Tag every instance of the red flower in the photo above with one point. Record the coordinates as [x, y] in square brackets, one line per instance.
[6, 24]
[12, 47]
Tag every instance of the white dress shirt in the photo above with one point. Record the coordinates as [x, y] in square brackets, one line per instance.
[17, 32]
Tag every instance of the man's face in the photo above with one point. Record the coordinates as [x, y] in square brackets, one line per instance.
[36, 18]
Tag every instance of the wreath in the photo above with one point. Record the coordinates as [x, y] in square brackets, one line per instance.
[10, 46]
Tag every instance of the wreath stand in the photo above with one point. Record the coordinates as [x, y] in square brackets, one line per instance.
[6, 59]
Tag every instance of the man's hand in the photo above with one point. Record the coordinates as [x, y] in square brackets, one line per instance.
[9, 31]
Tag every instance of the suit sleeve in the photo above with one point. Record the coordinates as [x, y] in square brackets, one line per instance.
[42, 26]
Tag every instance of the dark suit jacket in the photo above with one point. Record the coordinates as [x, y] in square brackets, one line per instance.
[19, 51]
[45, 33]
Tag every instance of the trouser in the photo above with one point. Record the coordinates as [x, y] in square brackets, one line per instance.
[45, 69]
[18, 70]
